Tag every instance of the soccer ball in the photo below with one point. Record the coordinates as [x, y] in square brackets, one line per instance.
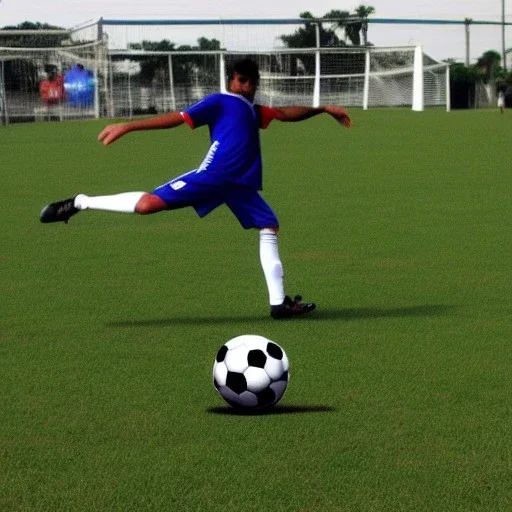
[251, 372]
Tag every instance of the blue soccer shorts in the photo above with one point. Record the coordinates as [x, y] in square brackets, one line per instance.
[246, 204]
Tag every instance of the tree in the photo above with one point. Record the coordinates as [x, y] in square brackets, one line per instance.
[464, 80]
[352, 24]
[345, 21]
[33, 40]
[208, 44]
[185, 67]
[489, 65]
[150, 64]
[305, 37]
[363, 11]
[191, 68]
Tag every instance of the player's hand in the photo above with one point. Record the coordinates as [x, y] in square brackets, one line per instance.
[111, 133]
[340, 114]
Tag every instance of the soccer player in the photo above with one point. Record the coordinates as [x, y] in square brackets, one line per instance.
[231, 172]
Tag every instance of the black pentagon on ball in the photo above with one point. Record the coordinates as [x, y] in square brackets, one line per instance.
[266, 397]
[284, 376]
[236, 382]
[221, 354]
[256, 358]
[275, 350]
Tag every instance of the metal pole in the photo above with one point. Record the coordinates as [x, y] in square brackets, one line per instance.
[448, 90]
[503, 54]
[316, 87]
[467, 22]
[366, 86]
[4, 118]
[171, 84]
[99, 33]
[97, 57]
[222, 71]
[130, 101]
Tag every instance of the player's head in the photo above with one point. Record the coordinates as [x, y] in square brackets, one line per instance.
[244, 78]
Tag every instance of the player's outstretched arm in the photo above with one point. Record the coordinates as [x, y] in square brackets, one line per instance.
[293, 114]
[112, 132]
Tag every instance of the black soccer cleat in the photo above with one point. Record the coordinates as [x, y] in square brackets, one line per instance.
[291, 308]
[60, 211]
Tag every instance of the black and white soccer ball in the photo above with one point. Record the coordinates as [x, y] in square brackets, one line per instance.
[251, 372]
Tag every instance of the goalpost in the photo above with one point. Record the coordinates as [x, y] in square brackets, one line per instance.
[407, 76]
[3, 106]
[353, 77]
[127, 82]
[39, 83]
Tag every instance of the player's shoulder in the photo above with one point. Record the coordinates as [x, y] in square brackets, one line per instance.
[235, 99]
[211, 98]
[219, 98]
[267, 114]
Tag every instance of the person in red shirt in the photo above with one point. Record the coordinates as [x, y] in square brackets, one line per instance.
[51, 90]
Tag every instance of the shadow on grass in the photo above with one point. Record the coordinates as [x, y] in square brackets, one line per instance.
[369, 313]
[344, 314]
[279, 409]
[181, 320]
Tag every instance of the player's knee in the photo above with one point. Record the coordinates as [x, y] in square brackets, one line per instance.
[150, 203]
[273, 229]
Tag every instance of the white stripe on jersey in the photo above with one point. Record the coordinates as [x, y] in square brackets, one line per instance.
[208, 159]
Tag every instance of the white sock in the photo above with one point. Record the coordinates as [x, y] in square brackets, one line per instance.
[124, 203]
[272, 266]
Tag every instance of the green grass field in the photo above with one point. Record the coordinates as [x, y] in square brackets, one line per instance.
[400, 392]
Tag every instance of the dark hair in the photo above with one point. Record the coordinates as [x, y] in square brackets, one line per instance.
[246, 67]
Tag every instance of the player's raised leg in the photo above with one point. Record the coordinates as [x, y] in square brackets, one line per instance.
[127, 202]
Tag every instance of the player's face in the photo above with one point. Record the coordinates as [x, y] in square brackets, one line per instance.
[241, 84]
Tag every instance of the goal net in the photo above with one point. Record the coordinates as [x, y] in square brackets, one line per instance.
[353, 77]
[406, 77]
[78, 79]
[62, 82]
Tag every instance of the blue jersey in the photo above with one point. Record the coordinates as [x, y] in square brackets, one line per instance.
[234, 156]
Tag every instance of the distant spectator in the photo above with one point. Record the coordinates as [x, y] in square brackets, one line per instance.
[501, 101]
[51, 90]
[79, 85]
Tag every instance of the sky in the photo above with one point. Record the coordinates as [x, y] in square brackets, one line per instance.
[438, 41]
